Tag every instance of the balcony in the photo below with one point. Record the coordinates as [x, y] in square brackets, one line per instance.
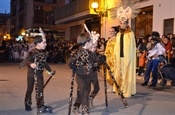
[74, 11]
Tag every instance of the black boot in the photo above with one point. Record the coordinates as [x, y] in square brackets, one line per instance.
[28, 107]
[45, 109]
[28, 103]
[144, 83]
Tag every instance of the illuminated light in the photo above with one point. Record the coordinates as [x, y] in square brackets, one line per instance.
[23, 33]
[94, 5]
[101, 13]
[5, 37]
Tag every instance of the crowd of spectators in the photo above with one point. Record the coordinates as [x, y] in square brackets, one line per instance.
[144, 45]
[16, 51]
[60, 50]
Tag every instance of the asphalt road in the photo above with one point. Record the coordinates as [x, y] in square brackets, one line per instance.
[147, 101]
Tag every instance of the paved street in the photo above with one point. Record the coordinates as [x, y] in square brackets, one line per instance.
[147, 101]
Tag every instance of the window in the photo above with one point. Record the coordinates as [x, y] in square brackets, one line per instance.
[168, 26]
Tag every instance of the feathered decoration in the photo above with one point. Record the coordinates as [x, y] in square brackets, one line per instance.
[124, 10]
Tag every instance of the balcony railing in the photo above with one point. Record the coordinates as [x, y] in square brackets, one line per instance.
[72, 8]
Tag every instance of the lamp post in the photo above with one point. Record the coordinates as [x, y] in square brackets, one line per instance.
[102, 13]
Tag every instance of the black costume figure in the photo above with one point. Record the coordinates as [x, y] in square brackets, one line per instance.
[85, 63]
[84, 73]
[91, 78]
[37, 57]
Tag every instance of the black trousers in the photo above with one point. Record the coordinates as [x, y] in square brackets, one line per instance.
[30, 86]
[84, 88]
[95, 83]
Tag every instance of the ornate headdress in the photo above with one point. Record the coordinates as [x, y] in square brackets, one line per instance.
[124, 10]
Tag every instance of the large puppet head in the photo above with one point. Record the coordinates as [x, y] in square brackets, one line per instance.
[124, 10]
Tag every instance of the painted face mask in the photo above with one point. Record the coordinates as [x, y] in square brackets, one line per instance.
[124, 14]
[124, 10]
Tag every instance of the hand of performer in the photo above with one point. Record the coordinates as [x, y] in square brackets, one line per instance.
[52, 73]
[33, 65]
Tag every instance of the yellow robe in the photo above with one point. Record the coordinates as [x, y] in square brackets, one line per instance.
[127, 81]
[109, 53]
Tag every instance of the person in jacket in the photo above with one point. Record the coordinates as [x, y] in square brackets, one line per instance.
[155, 55]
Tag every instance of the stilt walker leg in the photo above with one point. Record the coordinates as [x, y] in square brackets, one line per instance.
[119, 91]
[105, 87]
[71, 93]
[36, 92]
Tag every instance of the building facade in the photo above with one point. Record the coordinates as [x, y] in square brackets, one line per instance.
[4, 26]
[28, 15]
[155, 15]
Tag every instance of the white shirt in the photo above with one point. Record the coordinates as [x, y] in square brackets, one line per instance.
[158, 49]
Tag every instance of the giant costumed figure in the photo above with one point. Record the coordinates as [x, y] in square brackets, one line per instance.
[125, 48]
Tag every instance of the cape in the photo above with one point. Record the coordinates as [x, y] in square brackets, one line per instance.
[126, 80]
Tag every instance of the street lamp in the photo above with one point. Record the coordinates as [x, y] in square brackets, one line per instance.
[101, 13]
[4, 37]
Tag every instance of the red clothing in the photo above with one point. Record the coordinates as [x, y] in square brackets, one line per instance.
[168, 48]
[142, 59]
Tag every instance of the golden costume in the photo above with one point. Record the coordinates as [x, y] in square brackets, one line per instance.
[109, 53]
[125, 69]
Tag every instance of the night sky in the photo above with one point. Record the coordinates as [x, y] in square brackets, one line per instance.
[4, 6]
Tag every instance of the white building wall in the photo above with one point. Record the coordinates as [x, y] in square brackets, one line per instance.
[162, 9]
